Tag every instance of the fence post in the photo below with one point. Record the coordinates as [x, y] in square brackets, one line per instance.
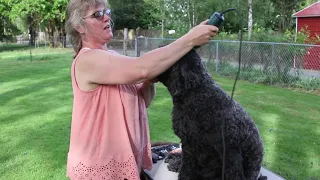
[272, 61]
[30, 47]
[137, 46]
[146, 44]
[125, 41]
[217, 57]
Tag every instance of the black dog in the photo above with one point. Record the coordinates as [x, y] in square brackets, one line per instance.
[200, 109]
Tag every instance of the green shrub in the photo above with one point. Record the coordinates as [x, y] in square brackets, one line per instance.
[265, 77]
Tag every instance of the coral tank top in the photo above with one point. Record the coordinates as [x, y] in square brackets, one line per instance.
[109, 132]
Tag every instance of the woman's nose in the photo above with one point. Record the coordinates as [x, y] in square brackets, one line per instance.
[106, 17]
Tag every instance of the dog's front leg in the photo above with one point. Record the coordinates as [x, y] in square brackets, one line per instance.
[234, 164]
[187, 171]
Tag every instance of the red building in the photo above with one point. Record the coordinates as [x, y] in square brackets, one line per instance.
[309, 19]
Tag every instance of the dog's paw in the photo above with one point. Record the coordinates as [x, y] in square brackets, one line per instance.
[174, 161]
[173, 157]
[261, 177]
[163, 45]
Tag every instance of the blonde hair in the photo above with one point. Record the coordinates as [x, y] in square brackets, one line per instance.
[76, 10]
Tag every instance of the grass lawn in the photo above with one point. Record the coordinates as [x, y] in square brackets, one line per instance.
[36, 104]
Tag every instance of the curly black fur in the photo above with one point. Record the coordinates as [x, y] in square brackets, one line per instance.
[199, 108]
[174, 161]
[160, 151]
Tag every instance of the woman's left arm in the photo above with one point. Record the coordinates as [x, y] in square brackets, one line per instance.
[148, 91]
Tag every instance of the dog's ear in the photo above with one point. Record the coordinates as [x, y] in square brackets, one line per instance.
[178, 91]
[163, 76]
[190, 77]
[190, 68]
[162, 45]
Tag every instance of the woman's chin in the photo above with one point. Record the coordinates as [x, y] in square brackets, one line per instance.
[108, 36]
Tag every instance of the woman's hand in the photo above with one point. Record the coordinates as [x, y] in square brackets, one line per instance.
[202, 33]
[148, 91]
[152, 81]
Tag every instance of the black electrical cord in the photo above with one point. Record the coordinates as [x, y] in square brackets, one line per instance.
[234, 86]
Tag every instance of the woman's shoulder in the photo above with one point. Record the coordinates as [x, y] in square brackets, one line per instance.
[113, 51]
[89, 53]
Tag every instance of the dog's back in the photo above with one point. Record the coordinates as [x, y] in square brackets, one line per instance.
[200, 109]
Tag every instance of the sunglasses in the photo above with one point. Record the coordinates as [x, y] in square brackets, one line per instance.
[99, 14]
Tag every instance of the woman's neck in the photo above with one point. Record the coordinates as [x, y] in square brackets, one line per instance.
[86, 44]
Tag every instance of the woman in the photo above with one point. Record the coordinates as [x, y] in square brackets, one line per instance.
[109, 130]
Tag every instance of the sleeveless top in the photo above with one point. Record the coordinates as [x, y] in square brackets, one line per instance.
[109, 132]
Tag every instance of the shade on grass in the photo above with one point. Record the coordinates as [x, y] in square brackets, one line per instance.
[36, 104]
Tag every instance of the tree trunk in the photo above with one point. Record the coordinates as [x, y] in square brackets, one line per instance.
[32, 34]
[189, 15]
[162, 28]
[62, 35]
[250, 20]
[32, 31]
[162, 18]
[193, 14]
[50, 31]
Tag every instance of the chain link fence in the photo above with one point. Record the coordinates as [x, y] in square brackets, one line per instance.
[284, 64]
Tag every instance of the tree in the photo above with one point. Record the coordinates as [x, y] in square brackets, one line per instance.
[283, 12]
[250, 20]
[157, 11]
[180, 15]
[7, 28]
[29, 10]
[53, 17]
[48, 13]
[131, 14]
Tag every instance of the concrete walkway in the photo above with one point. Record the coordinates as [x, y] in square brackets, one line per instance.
[160, 172]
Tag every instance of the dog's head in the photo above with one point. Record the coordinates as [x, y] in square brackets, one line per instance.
[185, 74]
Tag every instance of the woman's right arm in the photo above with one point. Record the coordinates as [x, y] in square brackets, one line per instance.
[101, 67]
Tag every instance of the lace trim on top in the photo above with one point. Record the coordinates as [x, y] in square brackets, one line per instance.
[144, 158]
[112, 170]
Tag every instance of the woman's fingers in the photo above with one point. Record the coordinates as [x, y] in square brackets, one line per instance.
[204, 22]
[213, 29]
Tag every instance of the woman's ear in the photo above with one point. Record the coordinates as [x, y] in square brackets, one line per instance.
[80, 29]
